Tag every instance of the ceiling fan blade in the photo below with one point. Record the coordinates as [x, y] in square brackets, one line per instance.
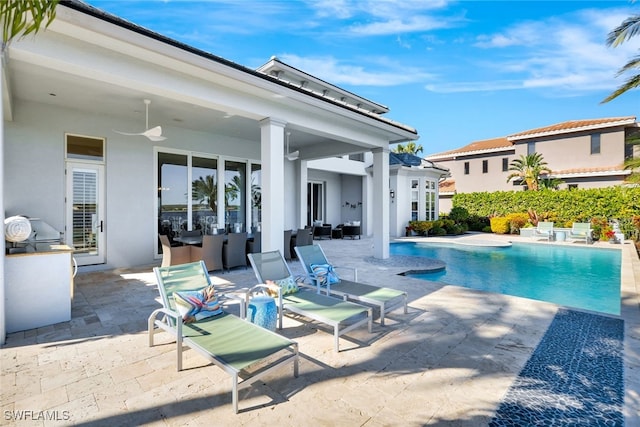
[156, 131]
[128, 134]
[155, 138]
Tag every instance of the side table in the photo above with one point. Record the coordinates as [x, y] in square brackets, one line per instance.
[262, 311]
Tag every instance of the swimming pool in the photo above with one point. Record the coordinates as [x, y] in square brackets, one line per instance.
[579, 277]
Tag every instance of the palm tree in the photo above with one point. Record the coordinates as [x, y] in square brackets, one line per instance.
[410, 148]
[633, 163]
[630, 27]
[528, 168]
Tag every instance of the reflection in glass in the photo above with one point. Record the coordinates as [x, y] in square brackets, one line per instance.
[235, 176]
[172, 194]
[204, 194]
[256, 196]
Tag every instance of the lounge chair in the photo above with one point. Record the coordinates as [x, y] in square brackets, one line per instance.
[343, 316]
[237, 346]
[386, 299]
[544, 229]
[580, 231]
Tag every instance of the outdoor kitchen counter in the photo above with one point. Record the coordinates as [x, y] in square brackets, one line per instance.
[38, 287]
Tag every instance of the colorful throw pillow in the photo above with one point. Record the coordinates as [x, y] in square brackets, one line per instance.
[288, 286]
[197, 305]
[324, 274]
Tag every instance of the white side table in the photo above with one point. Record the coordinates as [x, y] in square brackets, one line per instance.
[561, 236]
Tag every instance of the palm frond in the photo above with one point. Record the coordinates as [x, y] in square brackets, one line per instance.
[22, 17]
[623, 32]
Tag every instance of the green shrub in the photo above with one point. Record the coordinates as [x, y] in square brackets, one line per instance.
[438, 231]
[517, 221]
[500, 225]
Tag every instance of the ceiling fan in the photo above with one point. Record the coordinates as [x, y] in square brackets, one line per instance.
[291, 156]
[154, 134]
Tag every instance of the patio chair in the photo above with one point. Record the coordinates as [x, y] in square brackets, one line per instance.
[245, 351]
[386, 299]
[580, 231]
[234, 251]
[210, 252]
[544, 229]
[173, 255]
[342, 316]
[287, 244]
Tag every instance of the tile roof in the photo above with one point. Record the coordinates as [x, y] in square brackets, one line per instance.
[447, 186]
[475, 147]
[603, 170]
[573, 126]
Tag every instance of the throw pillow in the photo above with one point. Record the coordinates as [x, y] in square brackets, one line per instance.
[197, 305]
[324, 274]
[288, 286]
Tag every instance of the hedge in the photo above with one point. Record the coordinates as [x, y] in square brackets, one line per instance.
[566, 206]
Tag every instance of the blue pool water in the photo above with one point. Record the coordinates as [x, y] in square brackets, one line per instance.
[578, 277]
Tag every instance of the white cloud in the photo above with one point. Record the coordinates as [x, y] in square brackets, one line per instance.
[560, 54]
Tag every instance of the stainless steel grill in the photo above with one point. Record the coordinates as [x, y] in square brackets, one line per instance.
[41, 234]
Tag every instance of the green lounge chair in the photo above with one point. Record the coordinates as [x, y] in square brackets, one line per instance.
[237, 346]
[386, 299]
[580, 231]
[342, 316]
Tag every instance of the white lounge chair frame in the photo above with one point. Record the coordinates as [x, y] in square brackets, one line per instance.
[167, 319]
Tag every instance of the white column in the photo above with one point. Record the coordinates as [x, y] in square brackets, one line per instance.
[220, 195]
[272, 156]
[381, 203]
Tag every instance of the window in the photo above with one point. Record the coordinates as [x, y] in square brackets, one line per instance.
[414, 199]
[256, 195]
[531, 148]
[430, 200]
[235, 175]
[84, 148]
[485, 166]
[595, 143]
[466, 168]
[505, 164]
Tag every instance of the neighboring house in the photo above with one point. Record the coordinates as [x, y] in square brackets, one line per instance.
[581, 153]
[229, 158]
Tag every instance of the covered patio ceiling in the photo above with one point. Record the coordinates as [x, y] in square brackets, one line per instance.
[109, 70]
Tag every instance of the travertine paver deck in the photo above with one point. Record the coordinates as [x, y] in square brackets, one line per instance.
[448, 362]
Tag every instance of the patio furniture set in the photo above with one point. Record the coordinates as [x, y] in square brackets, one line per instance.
[244, 349]
[579, 231]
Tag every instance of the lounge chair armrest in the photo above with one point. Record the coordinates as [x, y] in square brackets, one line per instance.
[234, 298]
[354, 269]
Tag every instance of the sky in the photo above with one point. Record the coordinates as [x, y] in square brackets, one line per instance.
[456, 71]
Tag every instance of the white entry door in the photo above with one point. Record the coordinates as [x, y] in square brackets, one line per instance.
[85, 227]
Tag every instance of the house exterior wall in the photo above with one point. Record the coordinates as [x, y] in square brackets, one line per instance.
[574, 150]
[562, 152]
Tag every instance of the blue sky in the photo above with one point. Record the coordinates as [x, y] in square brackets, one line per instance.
[457, 71]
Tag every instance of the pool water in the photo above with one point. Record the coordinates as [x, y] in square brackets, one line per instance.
[578, 277]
